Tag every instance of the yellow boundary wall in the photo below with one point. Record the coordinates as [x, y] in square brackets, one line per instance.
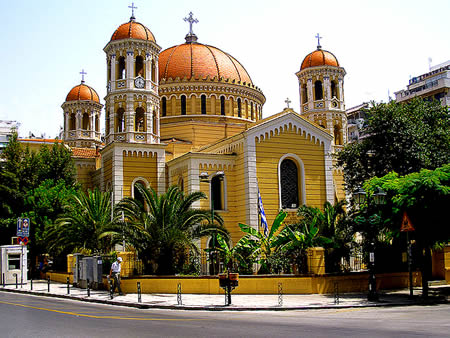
[317, 284]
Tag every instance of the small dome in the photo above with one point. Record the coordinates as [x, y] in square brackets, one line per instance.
[133, 30]
[200, 61]
[319, 57]
[82, 92]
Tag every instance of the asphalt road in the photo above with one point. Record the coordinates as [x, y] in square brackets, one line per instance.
[31, 316]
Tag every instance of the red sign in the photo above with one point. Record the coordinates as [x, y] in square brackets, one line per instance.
[23, 240]
[406, 223]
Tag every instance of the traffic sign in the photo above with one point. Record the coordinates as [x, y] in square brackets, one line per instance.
[406, 223]
[23, 227]
[23, 240]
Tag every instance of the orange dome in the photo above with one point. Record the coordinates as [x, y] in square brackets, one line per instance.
[199, 61]
[133, 30]
[82, 92]
[319, 57]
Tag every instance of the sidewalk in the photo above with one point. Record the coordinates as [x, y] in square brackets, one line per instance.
[438, 294]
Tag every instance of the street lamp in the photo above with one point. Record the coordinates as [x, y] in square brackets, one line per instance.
[379, 198]
[206, 178]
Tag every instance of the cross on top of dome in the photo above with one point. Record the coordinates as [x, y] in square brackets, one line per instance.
[318, 37]
[133, 7]
[83, 73]
[190, 37]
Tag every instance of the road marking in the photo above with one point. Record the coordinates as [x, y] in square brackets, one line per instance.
[99, 317]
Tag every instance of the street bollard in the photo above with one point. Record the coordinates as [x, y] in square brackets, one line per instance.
[88, 288]
[336, 293]
[68, 285]
[48, 284]
[139, 292]
[16, 280]
[111, 290]
[179, 300]
[31, 284]
[280, 294]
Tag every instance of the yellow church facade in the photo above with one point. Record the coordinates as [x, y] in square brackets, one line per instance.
[191, 115]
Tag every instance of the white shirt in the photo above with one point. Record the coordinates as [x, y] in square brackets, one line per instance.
[115, 267]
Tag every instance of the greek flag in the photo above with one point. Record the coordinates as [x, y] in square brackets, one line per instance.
[263, 215]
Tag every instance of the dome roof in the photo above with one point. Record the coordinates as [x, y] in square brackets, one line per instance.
[133, 30]
[199, 61]
[82, 92]
[319, 57]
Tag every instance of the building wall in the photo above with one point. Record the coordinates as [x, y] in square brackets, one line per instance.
[139, 165]
[269, 152]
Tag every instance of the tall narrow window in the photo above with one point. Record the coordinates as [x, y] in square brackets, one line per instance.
[334, 92]
[164, 106]
[251, 110]
[72, 122]
[139, 120]
[203, 104]
[107, 123]
[97, 124]
[304, 94]
[120, 127]
[121, 72]
[139, 66]
[318, 90]
[289, 184]
[153, 71]
[217, 193]
[183, 105]
[86, 123]
[337, 135]
[239, 107]
[222, 105]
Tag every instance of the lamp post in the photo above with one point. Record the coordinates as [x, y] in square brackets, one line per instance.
[378, 198]
[206, 178]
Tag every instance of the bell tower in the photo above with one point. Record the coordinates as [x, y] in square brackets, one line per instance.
[82, 111]
[321, 82]
[132, 100]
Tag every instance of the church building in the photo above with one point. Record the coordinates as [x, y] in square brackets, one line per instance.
[191, 115]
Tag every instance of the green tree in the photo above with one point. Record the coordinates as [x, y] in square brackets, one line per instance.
[86, 223]
[400, 137]
[425, 196]
[162, 227]
[262, 248]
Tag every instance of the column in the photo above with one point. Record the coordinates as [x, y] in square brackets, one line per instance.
[113, 72]
[341, 92]
[66, 124]
[130, 69]
[148, 71]
[156, 74]
[327, 92]
[309, 87]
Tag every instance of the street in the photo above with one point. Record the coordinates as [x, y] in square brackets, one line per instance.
[31, 316]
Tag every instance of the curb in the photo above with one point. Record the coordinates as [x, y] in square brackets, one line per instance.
[418, 301]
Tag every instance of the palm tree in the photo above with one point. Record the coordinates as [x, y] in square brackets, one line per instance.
[163, 227]
[262, 247]
[84, 224]
[331, 223]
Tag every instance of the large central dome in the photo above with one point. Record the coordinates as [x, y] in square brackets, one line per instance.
[196, 60]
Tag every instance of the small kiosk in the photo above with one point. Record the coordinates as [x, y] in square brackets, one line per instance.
[13, 262]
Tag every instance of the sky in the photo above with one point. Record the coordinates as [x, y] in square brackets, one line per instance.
[381, 44]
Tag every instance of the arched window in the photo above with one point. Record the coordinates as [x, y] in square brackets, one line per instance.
[222, 105]
[120, 126]
[139, 66]
[203, 104]
[251, 110]
[164, 106]
[334, 91]
[318, 90]
[139, 120]
[183, 105]
[121, 72]
[239, 107]
[181, 184]
[289, 184]
[86, 122]
[72, 122]
[136, 194]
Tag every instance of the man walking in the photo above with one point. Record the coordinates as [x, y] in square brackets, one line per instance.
[115, 273]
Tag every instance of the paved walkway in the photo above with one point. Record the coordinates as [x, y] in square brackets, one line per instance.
[439, 294]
